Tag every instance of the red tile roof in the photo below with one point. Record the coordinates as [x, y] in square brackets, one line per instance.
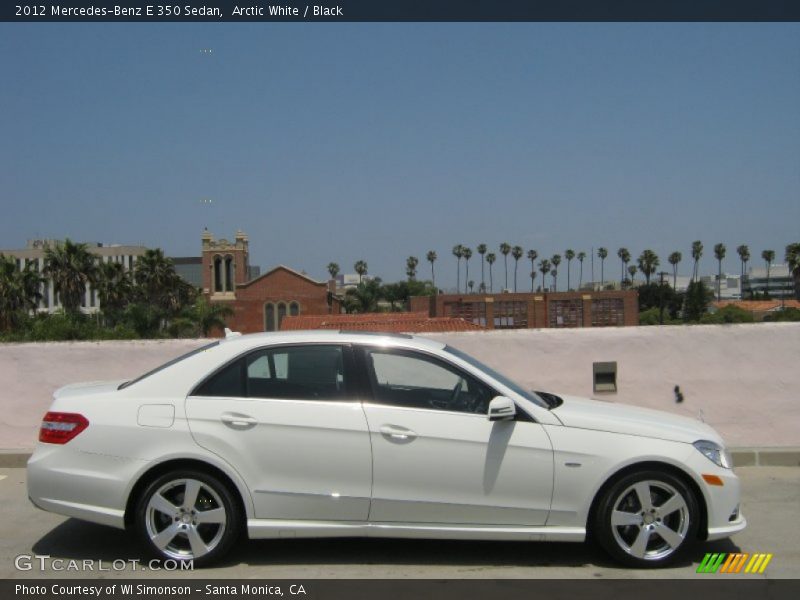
[758, 305]
[381, 322]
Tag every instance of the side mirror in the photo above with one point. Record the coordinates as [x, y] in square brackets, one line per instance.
[502, 409]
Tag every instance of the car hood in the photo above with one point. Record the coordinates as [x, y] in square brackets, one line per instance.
[88, 388]
[632, 420]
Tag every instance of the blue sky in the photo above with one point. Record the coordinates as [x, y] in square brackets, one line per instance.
[378, 141]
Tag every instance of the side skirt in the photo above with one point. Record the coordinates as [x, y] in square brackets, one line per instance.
[272, 529]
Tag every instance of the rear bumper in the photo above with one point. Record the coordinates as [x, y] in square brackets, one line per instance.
[80, 484]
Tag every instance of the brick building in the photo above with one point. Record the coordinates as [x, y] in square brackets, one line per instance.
[259, 304]
[392, 322]
[535, 310]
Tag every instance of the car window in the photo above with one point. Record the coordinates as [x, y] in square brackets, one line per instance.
[314, 372]
[529, 395]
[228, 382]
[414, 380]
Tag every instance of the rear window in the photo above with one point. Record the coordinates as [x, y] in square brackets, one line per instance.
[174, 361]
[314, 372]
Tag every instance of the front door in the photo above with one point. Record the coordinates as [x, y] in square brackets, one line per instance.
[436, 456]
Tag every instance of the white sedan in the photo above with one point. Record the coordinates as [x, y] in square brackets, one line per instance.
[333, 434]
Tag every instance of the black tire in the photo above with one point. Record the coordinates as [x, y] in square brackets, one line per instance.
[202, 531]
[647, 535]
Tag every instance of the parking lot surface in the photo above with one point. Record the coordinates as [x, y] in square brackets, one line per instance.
[771, 503]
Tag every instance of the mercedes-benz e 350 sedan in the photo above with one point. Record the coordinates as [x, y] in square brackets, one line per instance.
[331, 434]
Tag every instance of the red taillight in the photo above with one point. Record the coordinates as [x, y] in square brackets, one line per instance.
[59, 428]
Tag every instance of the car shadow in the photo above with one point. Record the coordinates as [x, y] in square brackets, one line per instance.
[78, 540]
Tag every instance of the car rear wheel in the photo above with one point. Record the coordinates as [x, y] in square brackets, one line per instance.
[647, 519]
[188, 515]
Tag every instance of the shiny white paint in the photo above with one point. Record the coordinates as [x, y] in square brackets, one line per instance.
[458, 468]
[356, 468]
[301, 459]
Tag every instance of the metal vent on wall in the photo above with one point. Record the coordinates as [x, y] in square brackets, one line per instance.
[604, 377]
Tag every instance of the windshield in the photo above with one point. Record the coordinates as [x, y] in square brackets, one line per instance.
[528, 395]
[168, 364]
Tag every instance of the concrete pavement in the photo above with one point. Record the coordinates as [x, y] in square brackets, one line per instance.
[771, 503]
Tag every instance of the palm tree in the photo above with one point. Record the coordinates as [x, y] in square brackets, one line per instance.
[719, 254]
[458, 252]
[674, 259]
[581, 257]
[470, 285]
[361, 269]
[544, 267]
[697, 253]
[364, 297]
[114, 288]
[210, 315]
[624, 257]
[602, 253]
[792, 258]
[155, 276]
[411, 267]
[744, 256]
[467, 252]
[490, 258]
[482, 248]
[768, 256]
[556, 260]
[333, 269]
[71, 267]
[517, 253]
[632, 270]
[431, 256]
[532, 256]
[505, 248]
[648, 263]
[20, 291]
[569, 254]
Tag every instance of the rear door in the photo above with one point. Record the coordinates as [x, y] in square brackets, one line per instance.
[289, 420]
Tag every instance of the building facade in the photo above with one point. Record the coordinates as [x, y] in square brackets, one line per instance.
[259, 303]
[779, 284]
[536, 310]
[34, 254]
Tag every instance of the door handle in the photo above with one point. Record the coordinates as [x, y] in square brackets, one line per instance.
[238, 421]
[401, 434]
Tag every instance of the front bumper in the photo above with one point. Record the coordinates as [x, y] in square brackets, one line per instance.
[723, 502]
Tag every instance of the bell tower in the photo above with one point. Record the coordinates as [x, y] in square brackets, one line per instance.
[225, 265]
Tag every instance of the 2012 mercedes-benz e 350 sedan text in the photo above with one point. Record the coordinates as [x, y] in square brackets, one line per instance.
[334, 434]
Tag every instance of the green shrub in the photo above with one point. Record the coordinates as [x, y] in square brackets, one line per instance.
[649, 317]
[787, 314]
[728, 314]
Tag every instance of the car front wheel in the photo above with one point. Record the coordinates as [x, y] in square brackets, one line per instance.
[647, 519]
[188, 515]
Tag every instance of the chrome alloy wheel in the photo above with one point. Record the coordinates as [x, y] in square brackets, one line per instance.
[650, 520]
[185, 519]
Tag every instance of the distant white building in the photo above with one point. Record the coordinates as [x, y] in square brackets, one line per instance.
[781, 283]
[345, 281]
[730, 286]
[34, 252]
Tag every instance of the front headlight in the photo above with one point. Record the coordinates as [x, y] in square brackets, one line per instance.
[715, 453]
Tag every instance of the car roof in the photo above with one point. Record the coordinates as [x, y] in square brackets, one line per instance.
[332, 336]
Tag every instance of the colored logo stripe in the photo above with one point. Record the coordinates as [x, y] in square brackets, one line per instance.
[734, 563]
